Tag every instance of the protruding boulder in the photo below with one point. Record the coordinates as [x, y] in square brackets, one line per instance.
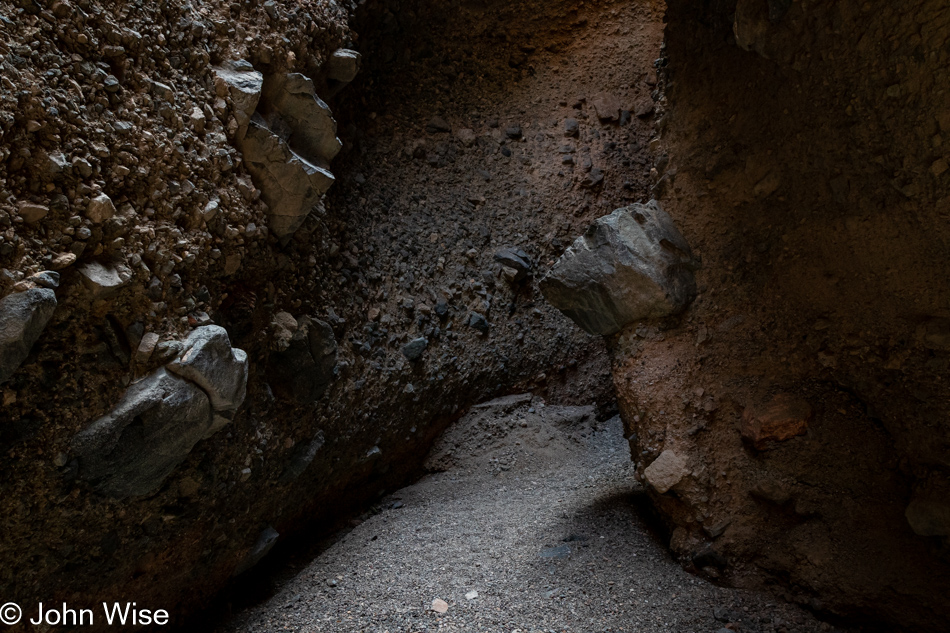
[343, 65]
[290, 185]
[288, 138]
[32, 212]
[296, 114]
[133, 448]
[209, 361]
[666, 471]
[243, 84]
[629, 266]
[23, 315]
[103, 281]
[304, 369]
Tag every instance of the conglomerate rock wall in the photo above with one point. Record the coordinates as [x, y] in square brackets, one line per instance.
[202, 353]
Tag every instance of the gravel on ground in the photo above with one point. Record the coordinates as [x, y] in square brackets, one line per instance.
[531, 522]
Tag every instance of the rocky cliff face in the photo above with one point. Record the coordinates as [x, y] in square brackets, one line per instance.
[216, 331]
[792, 422]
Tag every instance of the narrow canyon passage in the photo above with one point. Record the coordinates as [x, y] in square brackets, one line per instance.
[601, 316]
[531, 520]
[511, 125]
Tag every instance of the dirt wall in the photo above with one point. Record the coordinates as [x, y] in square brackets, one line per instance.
[802, 153]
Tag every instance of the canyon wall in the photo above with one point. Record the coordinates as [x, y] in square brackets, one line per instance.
[227, 320]
[253, 261]
[792, 423]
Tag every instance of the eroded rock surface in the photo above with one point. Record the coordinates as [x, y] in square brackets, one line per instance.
[209, 361]
[290, 184]
[131, 450]
[806, 384]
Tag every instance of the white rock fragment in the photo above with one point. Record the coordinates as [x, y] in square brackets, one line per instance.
[146, 347]
[666, 471]
[32, 212]
[100, 209]
[197, 118]
[210, 210]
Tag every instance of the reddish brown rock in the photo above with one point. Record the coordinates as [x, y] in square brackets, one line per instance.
[607, 106]
[784, 417]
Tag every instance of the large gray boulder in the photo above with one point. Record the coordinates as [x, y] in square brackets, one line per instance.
[208, 360]
[290, 184]
[133, 448]
[23, 315]
[129, 451]
[631, 265]
[103, 281]
[288, 137]
[294, 112]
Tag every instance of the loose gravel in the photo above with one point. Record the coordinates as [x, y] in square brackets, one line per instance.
[533, 526]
